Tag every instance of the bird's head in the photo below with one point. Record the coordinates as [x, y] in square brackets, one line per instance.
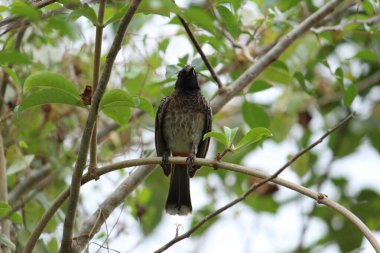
[187, 79]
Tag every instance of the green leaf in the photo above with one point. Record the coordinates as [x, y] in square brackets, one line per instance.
[22, 9]
[259, 85]
[48, 96]
[13, 57]
[45, 79]
[254, 135]
[117, 104]
[201, 18]
[281, 65]
[20, 164]
[220, 137]
[171, 71]
[254, 115]
[4, 240]
[230, 134]
[115, 17]
[301, 80]
[301, 165]
[5, 209]
[367, 55]
[229, 20]
[162, 7]
[339, 75]
[143, 104]
[350, 94]
[84, 11]
[13, 75]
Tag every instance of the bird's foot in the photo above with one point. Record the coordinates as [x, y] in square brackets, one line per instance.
[165, 163]
[190, 165]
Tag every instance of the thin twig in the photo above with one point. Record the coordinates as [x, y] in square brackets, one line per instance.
[252, 188]
[66, 246]
[341, 26]
[95, 79]
[203, 56]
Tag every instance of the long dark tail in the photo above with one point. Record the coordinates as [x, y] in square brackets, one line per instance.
[179, 200]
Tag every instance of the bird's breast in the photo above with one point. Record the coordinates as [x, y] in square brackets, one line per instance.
[183, 127]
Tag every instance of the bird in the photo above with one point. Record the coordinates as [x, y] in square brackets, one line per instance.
[182, 119]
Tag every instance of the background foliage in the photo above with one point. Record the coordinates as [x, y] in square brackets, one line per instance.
[46, 59]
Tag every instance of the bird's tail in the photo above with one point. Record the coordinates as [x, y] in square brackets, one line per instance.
[179, 200]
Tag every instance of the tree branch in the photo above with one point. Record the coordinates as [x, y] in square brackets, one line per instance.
[5, 225]
[200, 51]
[95, 80]
[341, 26]
[261, 64]
[66, 246]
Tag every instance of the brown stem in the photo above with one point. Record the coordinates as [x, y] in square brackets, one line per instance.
[95, 80]
[203, 56]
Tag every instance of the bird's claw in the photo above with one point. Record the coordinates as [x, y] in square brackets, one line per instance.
[165, 163]
[190, 165]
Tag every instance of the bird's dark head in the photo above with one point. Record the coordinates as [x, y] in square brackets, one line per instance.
[187, 79]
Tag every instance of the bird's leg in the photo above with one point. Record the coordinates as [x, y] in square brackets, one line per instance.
[190, 163]
[165, 163]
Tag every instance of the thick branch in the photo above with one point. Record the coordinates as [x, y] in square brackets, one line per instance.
[66, 246]
[252, 72]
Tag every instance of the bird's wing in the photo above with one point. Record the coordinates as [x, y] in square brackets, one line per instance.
[161, 146]
[203, 145]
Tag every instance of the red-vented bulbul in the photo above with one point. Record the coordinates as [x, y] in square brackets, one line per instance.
[181, 121]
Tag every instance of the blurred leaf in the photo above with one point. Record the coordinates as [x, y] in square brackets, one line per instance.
[254, 135]
[12, 74]
[85, 11]
[366, 55]
[20, 164]
[162, 7]
[301, 80]
[339, 76]
[171, 71]
[262, 203]
[45, 79]
[254, 115]
[13, 57]
[201, 18]
[349, 94]
[4, 240]
[229, 20]
[143, 104]
[48, 96]
[48, 87]
[259, 85]
[116, 16]
[24, 10]
[222, 138]
[117, 104]
[4, 208]
[302, 165]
